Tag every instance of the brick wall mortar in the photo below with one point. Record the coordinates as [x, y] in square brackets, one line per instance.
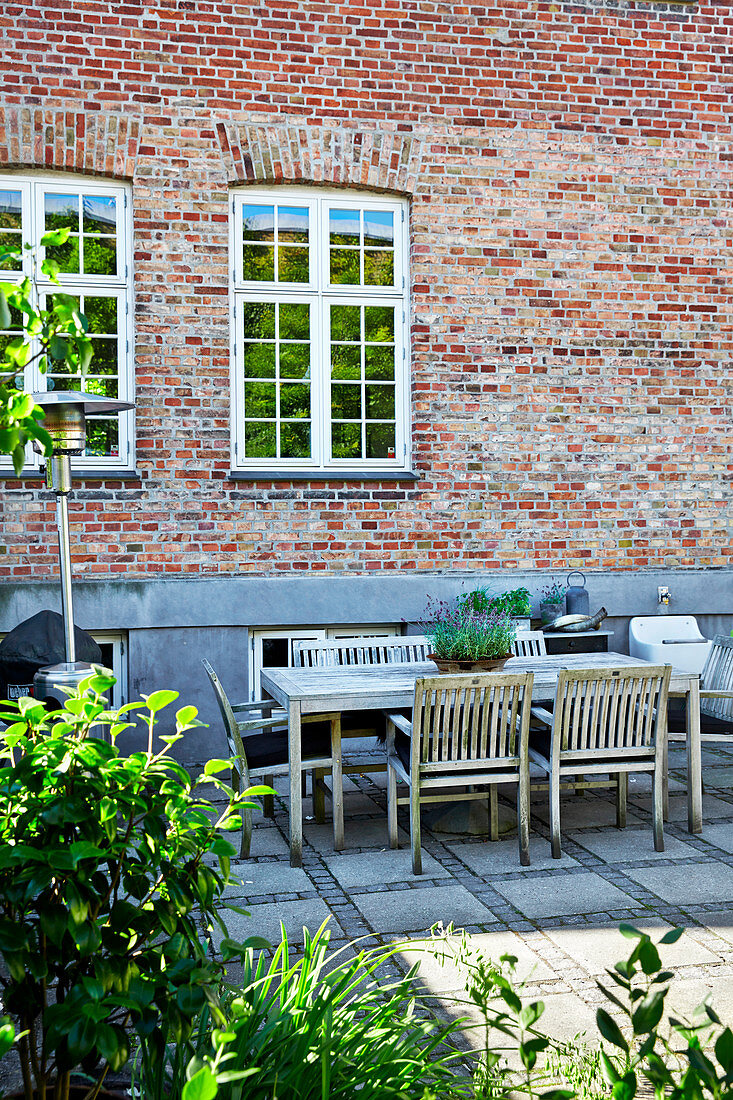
[569, 169]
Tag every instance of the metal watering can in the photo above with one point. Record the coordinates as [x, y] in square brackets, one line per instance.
[577, 600]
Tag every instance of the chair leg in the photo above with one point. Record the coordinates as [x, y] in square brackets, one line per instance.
[268, 802]
[319, 798]
[658, 810]
[415, 828]
[622, 796]
[665, 785]
[304, 784]
[392, 807]
[523, 813]
[246, 841]
[493, 813]
[555, 813]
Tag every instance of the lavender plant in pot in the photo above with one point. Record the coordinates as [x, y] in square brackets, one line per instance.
[466, 638]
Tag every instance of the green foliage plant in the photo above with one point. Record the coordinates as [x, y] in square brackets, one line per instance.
[108, 866]
[321, 1026]
[58, 330]
[516, 603]
[460, 632]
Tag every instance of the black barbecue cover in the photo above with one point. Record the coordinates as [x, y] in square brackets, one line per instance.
[39, 642]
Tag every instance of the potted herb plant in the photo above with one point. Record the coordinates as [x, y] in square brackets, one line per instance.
[517, 603]
[552, 602]
[465, 639]
[109, 868]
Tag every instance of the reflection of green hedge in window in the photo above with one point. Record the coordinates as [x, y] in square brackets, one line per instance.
[294, 321]
[103, 437]
[380, 441]
[292, 265]
[295, 439]
[259, 400]
[259, 320]
[259, 360]
[380, 404]
[345, 361]
[101, 313]
[379, 363]
[294, 399]
[346, 440]
[378, 268]
[346, 402]
[100, 256]
[346, 323]
[259, 440]
[378, 324]
[258, 263]
[295, 360]
[344, 266]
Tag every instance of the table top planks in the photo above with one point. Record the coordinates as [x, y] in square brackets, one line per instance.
[365, 687]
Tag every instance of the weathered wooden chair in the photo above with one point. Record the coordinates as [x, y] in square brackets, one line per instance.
[529, 643]
[466, 732]
[605, 722]
[362, 651]
[264, 753]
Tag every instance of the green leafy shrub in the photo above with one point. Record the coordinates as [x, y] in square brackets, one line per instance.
[107, 865]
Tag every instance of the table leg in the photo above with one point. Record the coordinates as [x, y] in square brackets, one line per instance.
[694, 758]
[296, 793]
[337, 781]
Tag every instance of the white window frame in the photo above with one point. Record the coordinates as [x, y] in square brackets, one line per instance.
[33, 187]
[118, 641]
[258, 635]
[320, 294]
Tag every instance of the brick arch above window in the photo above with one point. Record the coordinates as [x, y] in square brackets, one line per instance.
[343, 156]
[98, 143]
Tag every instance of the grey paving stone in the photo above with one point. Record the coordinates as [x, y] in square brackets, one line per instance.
[359, 833]
[439, 968]
[685, 994]
[578, 812]
[721, 923]
[720, 835]
[598, 947]
[691, 884]
[419, 909]
[502, 857]
[267, 841]
[264, 920]
[276, 877]
[374, 868]
[622, 845]
[560, 895]
[719, 777]
[712, 807]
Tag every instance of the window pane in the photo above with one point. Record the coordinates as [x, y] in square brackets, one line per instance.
[379, 363]
[99, 214]
[62, 211]
[104, 360]
[346, 402]
[259, 440]
[259, 399]
[11, 210]
[344, 227]
[295, 440]
[294, 321]
[380, 402]
[103, 438]
[292, 265]
[105, 387]
[258, 263]
[345, 361]
[378, 268]
[258, 223]
[275, 652]
[345, 322]
[292, 224]
[100, 256]
[344, 265]
[380, 441]
[295, 360]
[101, 313]
[14, 241]
[378, 228]
[259, 360]
[259, 320]
[295, 399]
[65, 255]
[379, 323]
[346, 440]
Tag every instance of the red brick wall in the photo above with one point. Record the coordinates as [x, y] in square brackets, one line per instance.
[569, 167]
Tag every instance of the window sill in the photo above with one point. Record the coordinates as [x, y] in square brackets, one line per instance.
[77, 474]
[323, 475]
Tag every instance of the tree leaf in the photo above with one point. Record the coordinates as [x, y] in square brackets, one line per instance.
[610, 1030]
[202, 1086]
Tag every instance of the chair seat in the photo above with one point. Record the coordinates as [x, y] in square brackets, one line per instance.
[270, 750]
[676, 722]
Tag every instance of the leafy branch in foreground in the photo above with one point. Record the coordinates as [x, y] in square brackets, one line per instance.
[57, 331]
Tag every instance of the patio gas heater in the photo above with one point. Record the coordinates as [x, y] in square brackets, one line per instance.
[65, 413]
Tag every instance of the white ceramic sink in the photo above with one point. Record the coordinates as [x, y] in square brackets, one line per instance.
[669, 640]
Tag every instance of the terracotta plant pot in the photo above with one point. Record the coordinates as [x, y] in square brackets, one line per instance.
[490, 664]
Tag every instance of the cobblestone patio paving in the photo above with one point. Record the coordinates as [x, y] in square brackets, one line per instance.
[559, 917]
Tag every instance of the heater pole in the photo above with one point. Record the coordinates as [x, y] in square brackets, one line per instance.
[62, 522]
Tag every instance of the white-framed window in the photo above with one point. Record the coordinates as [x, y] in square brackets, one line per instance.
[114, 657]
[95, 268]
[272, 647]
[320, 357]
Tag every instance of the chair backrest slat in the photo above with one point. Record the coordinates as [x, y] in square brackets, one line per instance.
[367, 651]
[470, 718]
[610, 710]
[717, 675]
[529, 643]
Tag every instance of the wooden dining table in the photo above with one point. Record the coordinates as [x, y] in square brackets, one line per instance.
[302, 691]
